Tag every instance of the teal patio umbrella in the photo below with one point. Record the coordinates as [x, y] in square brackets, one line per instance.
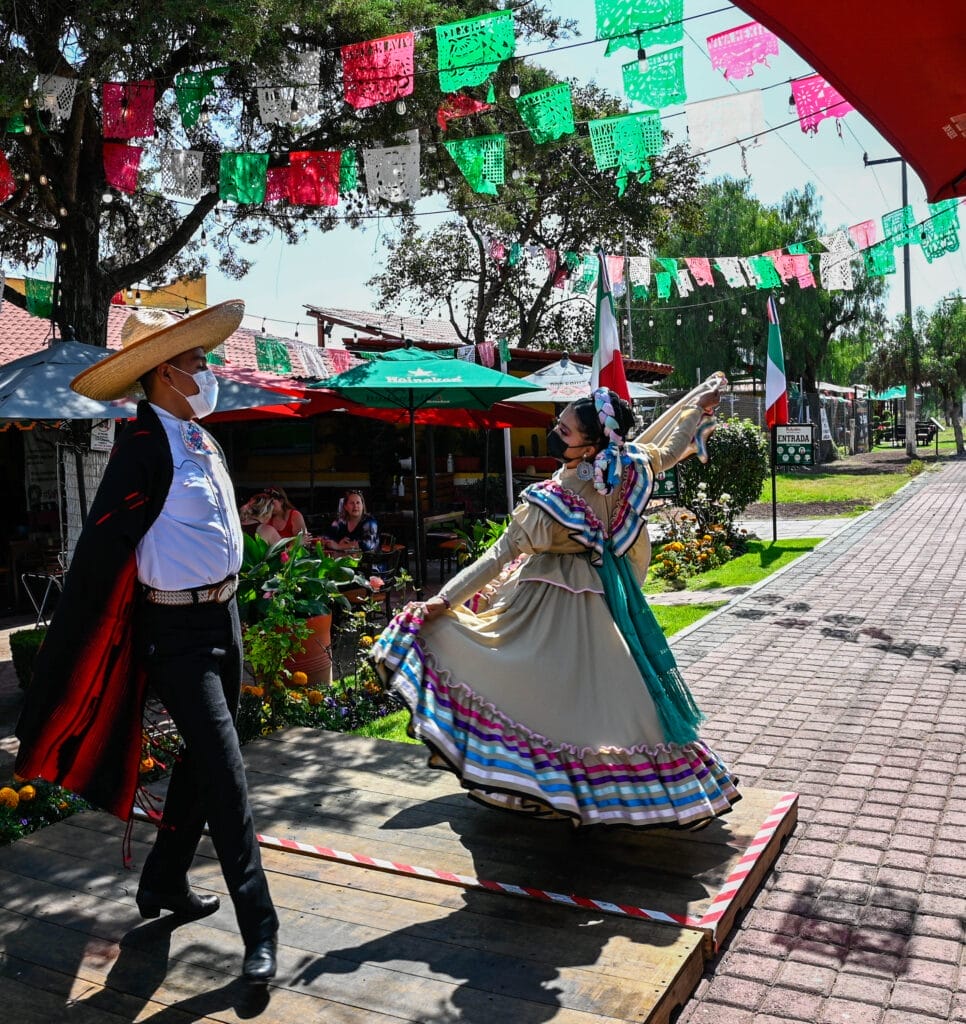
[414, 379]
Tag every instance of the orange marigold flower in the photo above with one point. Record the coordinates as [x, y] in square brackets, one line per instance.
[147, 763]
[8, 797]
[314, 697]
[296, 695]
[300, 679]
[26, 793]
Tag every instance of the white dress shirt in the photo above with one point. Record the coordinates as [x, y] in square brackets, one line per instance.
[197, 538]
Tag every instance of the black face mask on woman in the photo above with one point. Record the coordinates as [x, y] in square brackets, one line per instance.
[557, 448]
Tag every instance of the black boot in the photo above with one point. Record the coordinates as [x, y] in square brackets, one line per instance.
[260, 959]
[187, 905]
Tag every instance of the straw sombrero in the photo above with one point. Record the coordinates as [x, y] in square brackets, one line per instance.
[150, 337]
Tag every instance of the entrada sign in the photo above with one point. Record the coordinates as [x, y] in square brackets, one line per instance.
[795, 445]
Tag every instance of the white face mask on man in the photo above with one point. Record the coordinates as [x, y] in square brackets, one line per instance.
[205, 401]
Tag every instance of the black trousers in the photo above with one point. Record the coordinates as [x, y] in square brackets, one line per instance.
[193, 657]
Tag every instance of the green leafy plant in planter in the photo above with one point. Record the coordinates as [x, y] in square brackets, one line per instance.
[284, 589]
[24, 645]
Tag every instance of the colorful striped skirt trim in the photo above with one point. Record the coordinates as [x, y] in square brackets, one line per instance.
[505, 764]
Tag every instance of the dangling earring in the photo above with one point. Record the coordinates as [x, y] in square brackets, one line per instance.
[585, 470]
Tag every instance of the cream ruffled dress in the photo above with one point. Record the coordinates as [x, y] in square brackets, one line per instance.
[527, 688]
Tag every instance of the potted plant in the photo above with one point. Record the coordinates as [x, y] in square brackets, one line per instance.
[286, 593]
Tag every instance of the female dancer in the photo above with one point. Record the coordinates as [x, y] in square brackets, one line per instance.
[553, 691]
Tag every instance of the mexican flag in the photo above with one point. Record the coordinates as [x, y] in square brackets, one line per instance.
[608, 366]
[776, 394]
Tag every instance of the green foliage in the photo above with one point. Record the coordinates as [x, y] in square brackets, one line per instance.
[480, 535]
[24, 645]
[734, 473]
[26, 807]
[688, 548]
[286, 581]
[915, 466]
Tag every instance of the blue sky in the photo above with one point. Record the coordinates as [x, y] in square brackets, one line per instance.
[331, 269]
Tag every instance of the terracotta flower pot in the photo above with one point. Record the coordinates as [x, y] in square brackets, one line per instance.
[315, 658]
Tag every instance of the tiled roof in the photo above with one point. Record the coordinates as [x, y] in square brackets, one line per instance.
[21, 334]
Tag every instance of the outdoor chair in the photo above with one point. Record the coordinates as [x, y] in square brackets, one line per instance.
[386, 563]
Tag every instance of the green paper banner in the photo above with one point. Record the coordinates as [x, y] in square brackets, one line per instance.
[765, 272]
[348, 172]
[663, 284]
[798, 249]
[191, 88]
[504, 347]
[468, 52]
[626, 142]
[548, 114]
[899, 227]
[662, 85]
[480, 160]
[271, 355]
[587, 274]
[880, 259]
[40, 297]
[660, 22]
[241, 177]
[938, 238]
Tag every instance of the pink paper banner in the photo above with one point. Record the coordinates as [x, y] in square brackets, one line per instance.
[815, 100]
[378, 70]
[796, 267]
[128, 110]
[737, 51]
[863, 234]
[121, 165]
[615, 268]
[700, 268]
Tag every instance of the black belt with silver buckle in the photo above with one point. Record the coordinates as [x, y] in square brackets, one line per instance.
[216, 593]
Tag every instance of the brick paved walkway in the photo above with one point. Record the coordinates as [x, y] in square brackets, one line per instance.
[844, 678]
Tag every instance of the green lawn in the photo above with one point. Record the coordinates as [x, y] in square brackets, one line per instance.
[869, 489]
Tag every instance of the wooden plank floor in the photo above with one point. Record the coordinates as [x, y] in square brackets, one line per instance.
[363, 945]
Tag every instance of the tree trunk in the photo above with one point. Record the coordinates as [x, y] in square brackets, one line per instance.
[911, 419]
[84, 290]
[956, 420]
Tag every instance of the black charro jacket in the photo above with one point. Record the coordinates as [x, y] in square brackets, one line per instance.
[81, 722]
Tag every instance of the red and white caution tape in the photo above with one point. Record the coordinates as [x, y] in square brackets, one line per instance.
[746, 863]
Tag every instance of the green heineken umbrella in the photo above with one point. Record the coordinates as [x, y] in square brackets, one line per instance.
[413, 379]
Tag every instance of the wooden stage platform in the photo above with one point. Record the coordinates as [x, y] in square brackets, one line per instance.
[602, 928]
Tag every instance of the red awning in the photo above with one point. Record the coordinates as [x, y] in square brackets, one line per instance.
[901, 65]
[320, 400]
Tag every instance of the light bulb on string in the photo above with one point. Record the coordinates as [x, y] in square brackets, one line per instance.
[781, 300]
[711, 318]
[650, 322]
[27, 130]
[43, 179]
[400, 106]
[63, 211]
[205, 116]
[204, 236]
[296, 330]
[441, 183]
[26, 175]
[677, 321]
[516, 174]
[26, 103]
[641, 56]
[514, 89]
[294, 107]
[744, 310]
[107, 198]
[63, 247]
[187, 308]
[263, 325]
